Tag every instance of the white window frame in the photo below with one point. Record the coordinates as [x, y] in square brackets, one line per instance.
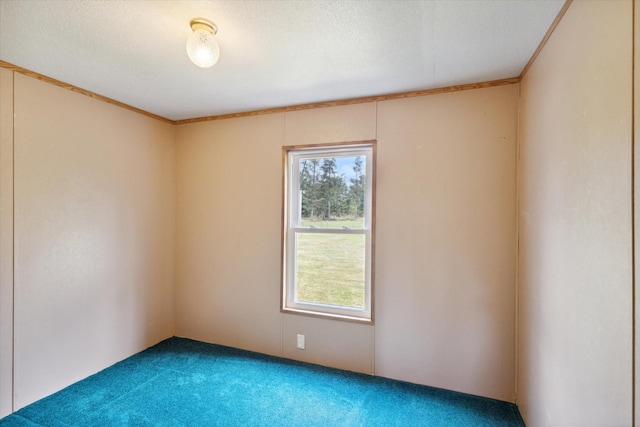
[292, 226]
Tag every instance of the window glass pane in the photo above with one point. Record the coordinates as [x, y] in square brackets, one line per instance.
[332, 192]
[330, 269]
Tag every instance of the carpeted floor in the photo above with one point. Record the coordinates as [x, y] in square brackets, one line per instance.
[181, 382]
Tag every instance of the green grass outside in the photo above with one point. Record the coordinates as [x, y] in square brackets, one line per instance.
[331, 267]
[334, 223]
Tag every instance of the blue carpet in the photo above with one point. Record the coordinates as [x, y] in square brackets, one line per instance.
[181, 382]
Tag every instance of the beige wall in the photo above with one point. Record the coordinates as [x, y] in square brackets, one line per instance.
[445, 262]
[6, 241]
[575, 281]
[445, 267]
[227, 255]
[93, 236]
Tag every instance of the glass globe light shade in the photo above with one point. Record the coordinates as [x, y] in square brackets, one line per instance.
[202, 48]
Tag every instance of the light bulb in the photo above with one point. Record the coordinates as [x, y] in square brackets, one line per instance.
[202, 48]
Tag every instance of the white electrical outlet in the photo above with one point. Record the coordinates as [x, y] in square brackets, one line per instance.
[300, 342]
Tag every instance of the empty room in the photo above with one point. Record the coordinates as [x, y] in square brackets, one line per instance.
[318, 212]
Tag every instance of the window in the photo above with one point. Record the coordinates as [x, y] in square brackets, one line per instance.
[328, 230]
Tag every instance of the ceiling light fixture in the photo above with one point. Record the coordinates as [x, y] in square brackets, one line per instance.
[202, 48]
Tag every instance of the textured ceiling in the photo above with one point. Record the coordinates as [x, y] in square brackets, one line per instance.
[273, 53]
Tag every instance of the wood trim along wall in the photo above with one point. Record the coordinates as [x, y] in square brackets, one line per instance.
[352, 101]
[4, 64]
[550, 31]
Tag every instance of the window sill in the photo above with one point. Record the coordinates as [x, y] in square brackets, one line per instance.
[329, 316]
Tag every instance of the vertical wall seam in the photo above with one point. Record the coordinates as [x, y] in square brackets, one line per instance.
[280, 284]
[174, 285]
[373, 327]
[13, 242]
[633, 218]
[517, 248]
